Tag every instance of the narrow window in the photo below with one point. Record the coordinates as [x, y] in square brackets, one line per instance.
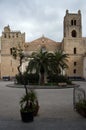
[11, 51]
[71, 22]
[74, 22]
[74, 71]
[16, 34]
[73, 33]
[11, 62]
[74, 50]
[4, 35]
[75, 63]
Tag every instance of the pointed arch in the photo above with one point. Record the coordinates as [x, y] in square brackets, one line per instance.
[74, 33]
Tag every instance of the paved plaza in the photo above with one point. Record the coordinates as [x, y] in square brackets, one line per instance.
[56, 109]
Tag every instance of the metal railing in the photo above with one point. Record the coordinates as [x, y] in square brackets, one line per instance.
[78, 95]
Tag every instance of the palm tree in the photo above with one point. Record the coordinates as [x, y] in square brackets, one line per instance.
[60, 61]
[45, 62]
[40, 62]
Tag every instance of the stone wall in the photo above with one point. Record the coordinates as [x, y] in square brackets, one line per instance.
[10, 39]
[72, 44]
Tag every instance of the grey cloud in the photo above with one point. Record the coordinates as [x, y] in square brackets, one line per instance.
[37, 17]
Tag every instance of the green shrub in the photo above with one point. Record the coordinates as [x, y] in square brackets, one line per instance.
[26, 78]
[33, 78]
[22, 78]
[53, 78]
[81, 107]
[18, 79]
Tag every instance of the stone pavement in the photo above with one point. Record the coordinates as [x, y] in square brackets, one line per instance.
[45, 124]
[56, 110]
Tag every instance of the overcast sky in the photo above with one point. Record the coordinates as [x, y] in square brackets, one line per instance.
[39, 17]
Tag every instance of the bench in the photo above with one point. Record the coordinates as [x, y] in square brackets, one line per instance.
[6, 78]
[62, 84]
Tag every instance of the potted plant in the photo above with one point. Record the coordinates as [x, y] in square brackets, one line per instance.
[29, 106]
[29, 102]
[81, 107]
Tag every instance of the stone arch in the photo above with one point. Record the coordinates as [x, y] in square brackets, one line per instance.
[74, 33]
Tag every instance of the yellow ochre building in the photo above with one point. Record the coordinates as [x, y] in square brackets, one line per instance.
[72, 43]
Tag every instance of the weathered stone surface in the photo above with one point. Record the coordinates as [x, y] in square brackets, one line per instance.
[73, 44]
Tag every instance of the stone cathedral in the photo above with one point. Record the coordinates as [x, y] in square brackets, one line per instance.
[72, 43]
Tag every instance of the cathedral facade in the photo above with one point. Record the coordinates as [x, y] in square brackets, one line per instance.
[72, 44]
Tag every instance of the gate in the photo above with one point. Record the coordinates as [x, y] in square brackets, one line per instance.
[78, 95]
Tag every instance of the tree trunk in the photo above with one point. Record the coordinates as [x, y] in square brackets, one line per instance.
[42, 79]
[26, 91]
[20, 66]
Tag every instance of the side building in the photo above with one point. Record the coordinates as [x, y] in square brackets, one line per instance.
[10, 39]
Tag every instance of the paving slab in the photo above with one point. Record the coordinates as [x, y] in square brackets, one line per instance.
[56, 109]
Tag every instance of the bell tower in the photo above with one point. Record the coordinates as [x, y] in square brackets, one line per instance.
[73, 43]
[10, 39]
[72, 25]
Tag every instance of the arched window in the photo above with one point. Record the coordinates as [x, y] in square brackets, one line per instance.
[73, 33]
[43, 48]
[71, 22]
